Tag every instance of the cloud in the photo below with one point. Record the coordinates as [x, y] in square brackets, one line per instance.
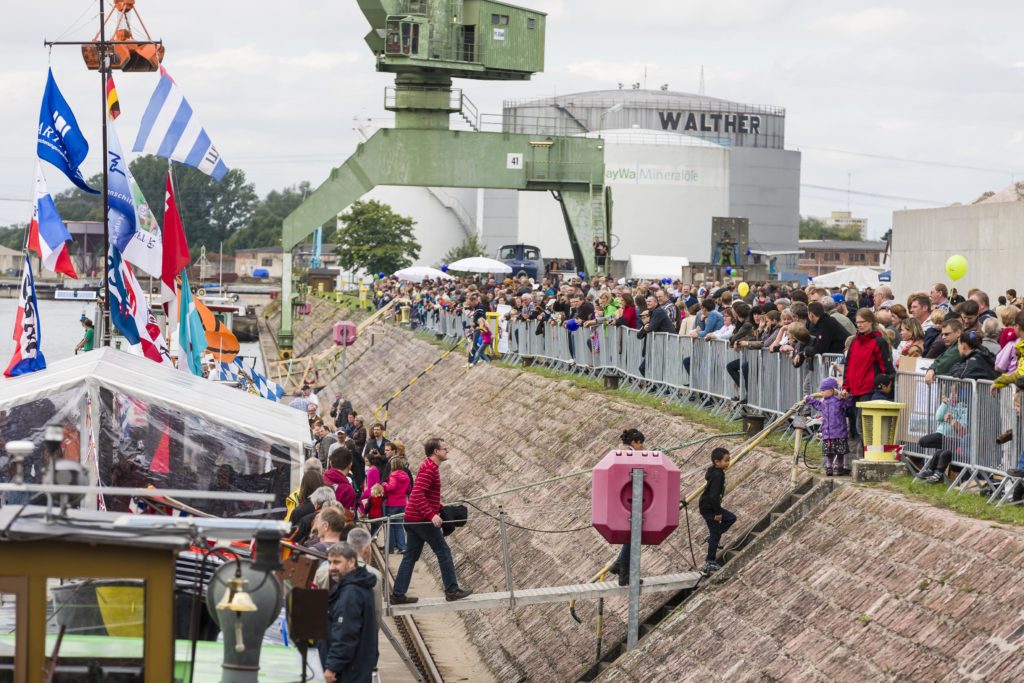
[872, 24]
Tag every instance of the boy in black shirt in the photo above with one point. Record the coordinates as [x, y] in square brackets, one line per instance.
[717, 517]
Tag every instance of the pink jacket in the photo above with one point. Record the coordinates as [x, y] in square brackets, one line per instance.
[397, 487]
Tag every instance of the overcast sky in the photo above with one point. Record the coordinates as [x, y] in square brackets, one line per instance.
[277, 84]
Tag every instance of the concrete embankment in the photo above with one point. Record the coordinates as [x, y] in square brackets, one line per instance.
[869, 587]
[507, 427]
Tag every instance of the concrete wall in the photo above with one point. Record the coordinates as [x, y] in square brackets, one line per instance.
[654, 212]
[989, 236]
[764, 186]
[501, 218]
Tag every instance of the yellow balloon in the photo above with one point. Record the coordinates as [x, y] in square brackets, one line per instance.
[956, 267]
[743, 289]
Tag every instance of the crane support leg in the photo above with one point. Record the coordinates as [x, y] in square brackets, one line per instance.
[573, 167]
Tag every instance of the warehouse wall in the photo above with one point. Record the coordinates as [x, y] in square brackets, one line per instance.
[987, 235]
[664, 198]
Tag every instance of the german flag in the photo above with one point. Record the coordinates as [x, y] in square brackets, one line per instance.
[113, 105]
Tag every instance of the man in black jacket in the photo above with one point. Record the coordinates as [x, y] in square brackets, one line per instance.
[351, 653]
[582, 311]
[827, 335]
[659, 320]
[717, 517]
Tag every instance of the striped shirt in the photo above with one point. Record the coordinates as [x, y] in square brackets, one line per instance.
[425, 499]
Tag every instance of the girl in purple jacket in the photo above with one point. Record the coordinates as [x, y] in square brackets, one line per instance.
[832, 405]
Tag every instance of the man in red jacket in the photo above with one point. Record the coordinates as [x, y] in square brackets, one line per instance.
[423, 526]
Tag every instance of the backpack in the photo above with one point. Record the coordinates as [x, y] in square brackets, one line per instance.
[1006, 361]
[453, 517]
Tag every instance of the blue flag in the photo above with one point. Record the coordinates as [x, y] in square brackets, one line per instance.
[60, 140]
[123, 298]
[28, 354]
[121, 217]
[191, 334]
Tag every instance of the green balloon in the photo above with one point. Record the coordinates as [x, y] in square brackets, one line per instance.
[956, 267]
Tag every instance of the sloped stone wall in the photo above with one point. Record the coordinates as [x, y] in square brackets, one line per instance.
[874, 587]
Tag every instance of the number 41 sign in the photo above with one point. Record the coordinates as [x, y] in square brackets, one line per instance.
[514, 162]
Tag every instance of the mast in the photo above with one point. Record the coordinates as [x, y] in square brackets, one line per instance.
[104, 68]
[103, 54]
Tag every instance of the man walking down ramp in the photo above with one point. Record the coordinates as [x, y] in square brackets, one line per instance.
[423, 526]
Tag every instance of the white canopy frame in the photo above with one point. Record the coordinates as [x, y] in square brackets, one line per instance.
[140, 378]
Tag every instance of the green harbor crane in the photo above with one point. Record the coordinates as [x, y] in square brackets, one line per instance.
[427, 43]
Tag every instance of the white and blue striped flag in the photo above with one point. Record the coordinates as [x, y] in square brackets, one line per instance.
[170, 129]
[264, 387]
[224, 372]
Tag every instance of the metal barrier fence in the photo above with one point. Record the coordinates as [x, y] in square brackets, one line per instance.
[962, 411]
[661, 362]
[968, 419]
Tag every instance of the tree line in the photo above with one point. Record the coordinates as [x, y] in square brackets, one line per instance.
[228, 212]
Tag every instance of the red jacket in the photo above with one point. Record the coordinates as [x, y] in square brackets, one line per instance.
[425, 499]
[868, 355]
[343, 491]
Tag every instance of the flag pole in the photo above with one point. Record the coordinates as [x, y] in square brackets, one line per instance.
[105, 338]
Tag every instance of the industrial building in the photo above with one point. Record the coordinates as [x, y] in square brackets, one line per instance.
[673, 162]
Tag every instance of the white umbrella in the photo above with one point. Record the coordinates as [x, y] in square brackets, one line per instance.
[421, 273]
[479, 264]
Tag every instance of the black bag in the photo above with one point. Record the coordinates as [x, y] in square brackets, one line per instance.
[453, 517]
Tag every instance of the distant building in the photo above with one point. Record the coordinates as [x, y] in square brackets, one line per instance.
[826, 256]
[986, 232]
[213, 269]
[845, 219]
[270, 259]
[303, 253]
[10, 259]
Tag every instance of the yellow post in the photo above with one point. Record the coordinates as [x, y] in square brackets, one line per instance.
[880, 423]
[406, 314]
[363, 289]
[320, 288]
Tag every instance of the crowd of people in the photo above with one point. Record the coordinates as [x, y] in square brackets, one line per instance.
[964, 336]
[357, 480]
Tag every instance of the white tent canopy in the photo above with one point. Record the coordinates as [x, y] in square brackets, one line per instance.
[222, 412]
[421, 273]
[861, 276]
[650, 267]
[479, 264]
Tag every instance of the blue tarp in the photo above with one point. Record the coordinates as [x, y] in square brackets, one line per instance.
[260, 272]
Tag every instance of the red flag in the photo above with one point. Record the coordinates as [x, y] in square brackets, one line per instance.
[176, 256]
[113, 104]
[162, 456]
